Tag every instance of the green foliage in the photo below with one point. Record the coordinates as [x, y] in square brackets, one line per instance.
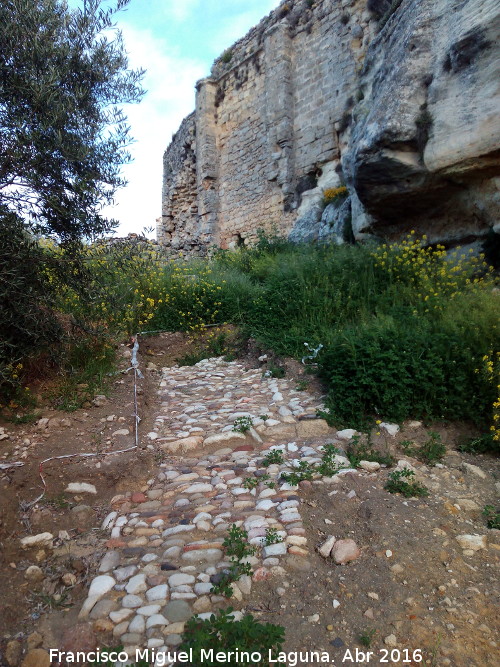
[223, 586]
[431, 452]
[242, 424]
[222, 633]
[407, 367]
[236, 543]
[362, 450]
[328, 467]
[303, 471]
[227, 56]
[63, 141]
[302, 385]
[483, 444]
[213, 346]
[276, 372]
[275, 456]
[85, 368]
[272, 537]
[397, 483]
[366, 638]
[237, 548]
[63, 134]
[492, 516]
[250, 482]
[28, 326]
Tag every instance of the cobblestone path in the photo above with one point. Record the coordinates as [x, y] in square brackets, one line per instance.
[165, 550]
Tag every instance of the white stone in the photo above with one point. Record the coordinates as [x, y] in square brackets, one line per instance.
[369, 466]
[120, 615]
[472, 542]
[475, 470]
[40, 540]
[199, 488]
[149, 610]
[155, 621]
[391, 429]
[137, 624]
[159, 592]
[178, 529]
[346, 434]
[327, 546]
[278, 549]
[179, 579]
[136, 584]
[131, 601]
[109, 520]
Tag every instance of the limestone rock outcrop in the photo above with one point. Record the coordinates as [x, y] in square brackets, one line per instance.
[424, 147]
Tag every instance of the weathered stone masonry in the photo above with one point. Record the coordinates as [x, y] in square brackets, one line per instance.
[397, 103]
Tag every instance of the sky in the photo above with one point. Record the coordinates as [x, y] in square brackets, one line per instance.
[176, 41]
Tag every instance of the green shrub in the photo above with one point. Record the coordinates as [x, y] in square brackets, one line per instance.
[492, 516]
[222, 633]
[242, 424]
[432, 451]
[275, 456]
[405, 368]
[403, 482]
[29, 326]
[362, 450]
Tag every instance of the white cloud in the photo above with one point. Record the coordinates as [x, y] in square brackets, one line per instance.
[181, 10]
[170, 81]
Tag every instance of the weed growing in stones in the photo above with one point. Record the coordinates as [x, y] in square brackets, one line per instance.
[361, 450]
[237, 548]
[250, 482]
[492, 516]
[272, 537]
[483, 444]
[403, 482]
[366, 638]
[304, 471]
[275, 456]
[328, 466]
[222, 633]
[242, 424]
[236, 543]
[431, 452]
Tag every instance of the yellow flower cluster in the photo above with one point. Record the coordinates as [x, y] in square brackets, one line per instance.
[194, 296]
[434, 275]
[332, 194]
[126, 286]
[491, 363]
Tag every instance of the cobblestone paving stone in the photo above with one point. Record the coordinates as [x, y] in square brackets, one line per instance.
[166, 544]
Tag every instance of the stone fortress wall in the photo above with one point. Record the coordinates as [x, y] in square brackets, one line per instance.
[332, 91]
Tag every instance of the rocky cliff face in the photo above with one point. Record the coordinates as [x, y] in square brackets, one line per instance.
[399, 99]
[424, 146]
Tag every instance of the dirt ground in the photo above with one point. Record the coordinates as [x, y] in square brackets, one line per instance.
[412, 585]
